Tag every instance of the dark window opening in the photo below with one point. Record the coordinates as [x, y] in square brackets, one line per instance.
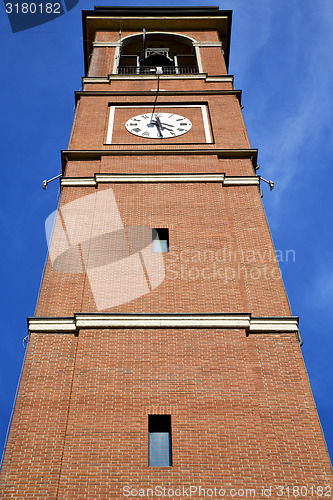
[159, 431]
[160, 237]
[158, 57]
[175, 54]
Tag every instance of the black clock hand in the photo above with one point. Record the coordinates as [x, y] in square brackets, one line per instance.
[159, 128]
[162, 125]
[158, 124]
[167, 124]
[167, 128]
[158, 121]
[159, 131]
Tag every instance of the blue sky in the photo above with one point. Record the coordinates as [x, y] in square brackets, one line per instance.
[281, 56]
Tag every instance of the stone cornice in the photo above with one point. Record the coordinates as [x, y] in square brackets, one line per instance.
[239, 180]
[207, 44]
[92, 80]
[198, 76]
[134, 93]
[106, 44]
[159, 177]
[220, 79]
[119, 151]
[110, 321]
[96, 154]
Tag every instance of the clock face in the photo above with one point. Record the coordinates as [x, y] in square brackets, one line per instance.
[158, 125]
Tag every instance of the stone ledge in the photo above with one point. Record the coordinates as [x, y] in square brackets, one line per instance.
[118, 150]
[207, 44]
[106, 44]
[260, 325]
[193, 76]
[158, 177]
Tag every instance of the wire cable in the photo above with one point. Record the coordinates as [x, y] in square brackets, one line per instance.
[14, 403]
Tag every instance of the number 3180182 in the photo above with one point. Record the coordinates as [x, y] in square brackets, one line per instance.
[33, 8]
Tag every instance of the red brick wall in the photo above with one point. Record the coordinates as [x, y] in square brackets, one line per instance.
[101, 63]
[221, 256]
[144, 164]
[241, 409]
[34, 451]
[224, 116]
[212, 60]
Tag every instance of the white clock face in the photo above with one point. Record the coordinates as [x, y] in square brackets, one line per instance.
[158, 125]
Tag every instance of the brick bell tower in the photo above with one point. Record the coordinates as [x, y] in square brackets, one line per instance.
[163, 357]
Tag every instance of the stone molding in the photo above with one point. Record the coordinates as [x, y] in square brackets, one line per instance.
[200, 76]
[86, 154]
[89, 93]
[158, 177]
[94, 79]
[225, 321]
[106, 44]
[72, 154]
[207, 44]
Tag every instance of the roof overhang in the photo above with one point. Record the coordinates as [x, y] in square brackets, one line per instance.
[155, 19]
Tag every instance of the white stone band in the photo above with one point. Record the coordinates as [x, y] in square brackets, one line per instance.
[94, 79]
[288, 324]
[207, 44]
[106, 44]
[114, 76]
[159, 177]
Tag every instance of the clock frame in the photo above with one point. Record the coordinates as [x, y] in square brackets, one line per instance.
[194, 114]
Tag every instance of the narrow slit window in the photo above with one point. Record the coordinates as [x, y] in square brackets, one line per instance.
[160, 239]
[159, 431]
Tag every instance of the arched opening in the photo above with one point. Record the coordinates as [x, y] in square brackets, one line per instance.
[142, 54]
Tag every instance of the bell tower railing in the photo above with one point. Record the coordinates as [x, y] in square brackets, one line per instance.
[151, 70]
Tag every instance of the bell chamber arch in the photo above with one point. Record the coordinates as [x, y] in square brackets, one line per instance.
[141, 54]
